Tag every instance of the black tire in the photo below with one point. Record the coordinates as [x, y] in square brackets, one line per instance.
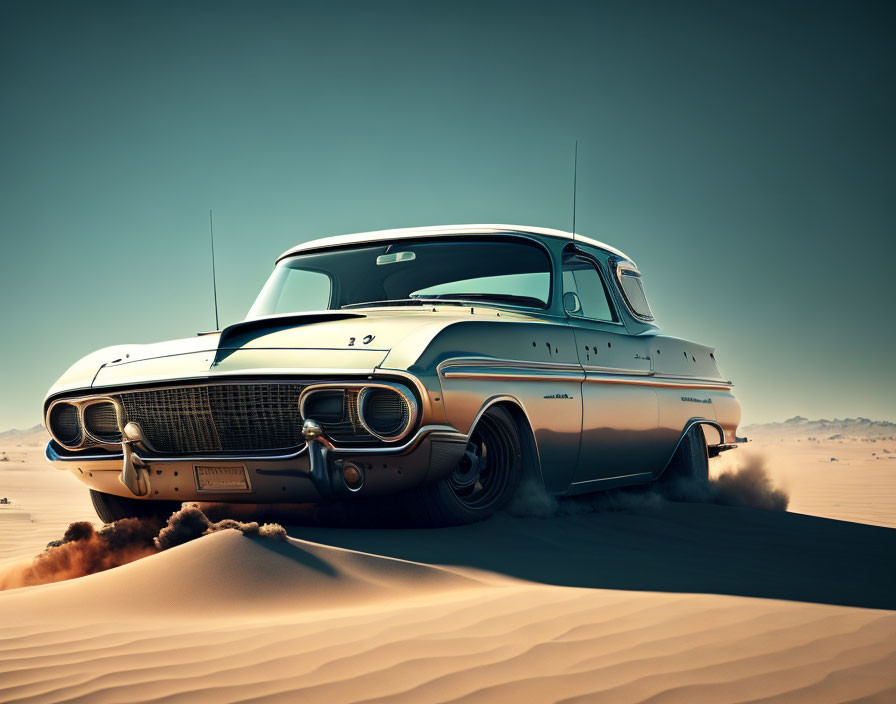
[111, 508]
[483, 482]
[691, 459]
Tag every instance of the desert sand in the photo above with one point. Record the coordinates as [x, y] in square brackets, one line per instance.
[653, 600]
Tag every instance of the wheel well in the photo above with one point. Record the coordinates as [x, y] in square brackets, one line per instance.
[528, 447]
[702, 423]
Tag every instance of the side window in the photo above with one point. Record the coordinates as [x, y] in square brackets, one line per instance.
[584, 292]
[633, 288]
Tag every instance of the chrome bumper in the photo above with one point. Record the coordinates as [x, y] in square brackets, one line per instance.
[430, 454]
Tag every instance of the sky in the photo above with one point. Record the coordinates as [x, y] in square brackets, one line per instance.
[742, 154]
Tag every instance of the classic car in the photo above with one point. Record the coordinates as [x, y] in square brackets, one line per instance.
[442, 364]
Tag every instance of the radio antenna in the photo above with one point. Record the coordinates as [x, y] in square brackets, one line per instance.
[211, 231]
[575, 184]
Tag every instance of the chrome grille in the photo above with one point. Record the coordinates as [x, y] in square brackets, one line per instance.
[217, 417]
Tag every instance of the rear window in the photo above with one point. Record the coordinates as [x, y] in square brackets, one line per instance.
[633, 289]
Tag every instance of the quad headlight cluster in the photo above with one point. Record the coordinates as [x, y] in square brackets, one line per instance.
[79, 423]
[349, 412]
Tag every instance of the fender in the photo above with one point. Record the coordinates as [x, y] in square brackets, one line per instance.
[524, 427]
[690, 424]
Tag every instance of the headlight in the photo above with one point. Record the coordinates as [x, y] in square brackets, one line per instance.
[64, 424]
[386, 412]
[101, 422]
[77, 423]
[325, 406]
[354, 413]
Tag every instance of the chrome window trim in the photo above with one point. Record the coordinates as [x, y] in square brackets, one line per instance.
[619, 266]
[472, 230]
[595, 262]
[509, 235]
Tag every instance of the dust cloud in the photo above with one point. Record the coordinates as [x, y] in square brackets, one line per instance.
[83, 550]
[747, 485]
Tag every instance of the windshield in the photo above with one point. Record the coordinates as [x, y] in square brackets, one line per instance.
[506, 271]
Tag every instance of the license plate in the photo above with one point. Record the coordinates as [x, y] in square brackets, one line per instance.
[221, 478]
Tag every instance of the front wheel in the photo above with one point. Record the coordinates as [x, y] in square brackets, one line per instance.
[111, 508]
[482, 483]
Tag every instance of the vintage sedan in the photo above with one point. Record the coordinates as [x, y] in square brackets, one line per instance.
[442, 364]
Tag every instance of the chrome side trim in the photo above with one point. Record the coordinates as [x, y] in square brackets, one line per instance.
[691, 377]
[498, 362]
[619, 379]
[519, 370]
[508, 369]
[511, 375]
[601, 480]
[593, 369]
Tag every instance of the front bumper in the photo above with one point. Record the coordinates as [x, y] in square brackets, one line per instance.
[430, 454]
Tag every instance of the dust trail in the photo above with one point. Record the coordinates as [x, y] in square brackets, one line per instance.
[748, 485]
[83, 550]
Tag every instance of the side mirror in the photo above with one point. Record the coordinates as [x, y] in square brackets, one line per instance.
[571, 302]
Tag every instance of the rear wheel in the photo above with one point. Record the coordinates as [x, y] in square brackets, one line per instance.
[691, 459]
[483, 482]
[111, 508]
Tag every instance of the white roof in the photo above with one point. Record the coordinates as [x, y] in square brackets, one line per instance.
[473, 230]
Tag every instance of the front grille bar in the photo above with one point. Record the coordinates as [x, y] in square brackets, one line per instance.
[231, 417]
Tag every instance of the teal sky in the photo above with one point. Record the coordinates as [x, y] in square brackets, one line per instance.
[742, 153]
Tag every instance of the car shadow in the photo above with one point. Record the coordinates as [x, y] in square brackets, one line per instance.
[677, 547]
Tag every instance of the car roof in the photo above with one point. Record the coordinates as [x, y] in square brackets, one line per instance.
[445, 230]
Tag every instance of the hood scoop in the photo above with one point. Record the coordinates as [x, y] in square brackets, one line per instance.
[239, 334]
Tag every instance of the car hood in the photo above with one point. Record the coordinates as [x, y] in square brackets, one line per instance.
[327, 342]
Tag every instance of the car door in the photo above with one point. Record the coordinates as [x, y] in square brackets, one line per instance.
[619, 411]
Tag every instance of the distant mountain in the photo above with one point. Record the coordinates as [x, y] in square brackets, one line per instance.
[18, 433]
[824, 428]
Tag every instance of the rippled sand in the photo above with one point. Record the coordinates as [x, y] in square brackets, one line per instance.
[675, 603]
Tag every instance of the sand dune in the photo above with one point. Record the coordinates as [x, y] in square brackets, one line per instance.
[658, 602]
[258, 574]
[317, 623]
